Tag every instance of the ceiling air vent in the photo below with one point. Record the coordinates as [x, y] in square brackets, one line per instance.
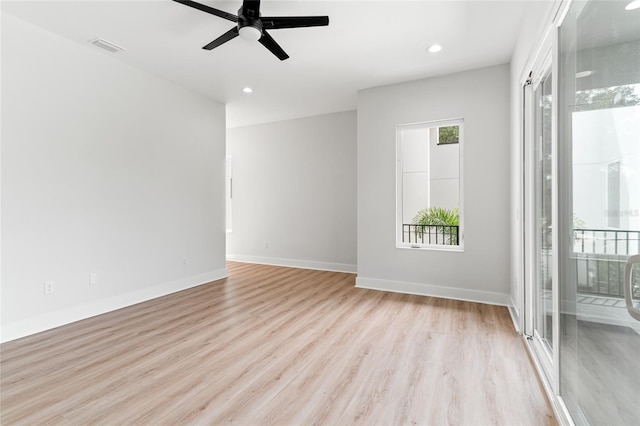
[103, 44]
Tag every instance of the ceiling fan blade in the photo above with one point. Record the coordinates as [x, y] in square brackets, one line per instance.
[267, 41]
[276, 22]
[229, 35]
[229, 16]
[251, 9]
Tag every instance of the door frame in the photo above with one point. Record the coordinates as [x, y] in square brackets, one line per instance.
[544, 59]
[542, 67]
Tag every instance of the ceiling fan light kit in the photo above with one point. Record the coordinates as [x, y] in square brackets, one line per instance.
[250, 33]
[251, 26]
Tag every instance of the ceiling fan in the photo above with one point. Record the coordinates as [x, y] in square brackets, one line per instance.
[252, 26]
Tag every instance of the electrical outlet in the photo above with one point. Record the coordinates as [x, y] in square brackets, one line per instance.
[184, 261]
[93, 279]
[49, 287]
[265, 244]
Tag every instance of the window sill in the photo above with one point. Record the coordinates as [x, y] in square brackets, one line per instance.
[457, 249]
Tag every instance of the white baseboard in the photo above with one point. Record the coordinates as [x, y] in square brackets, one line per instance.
[515, 319]
[515, 315]
[294, 263]
[26, 327]
[434, 290]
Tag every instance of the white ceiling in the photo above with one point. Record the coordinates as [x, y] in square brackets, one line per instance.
[367, 44]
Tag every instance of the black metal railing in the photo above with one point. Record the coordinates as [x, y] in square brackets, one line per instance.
[430, 234]
[606, 241]
[600, 256]
[603, 275]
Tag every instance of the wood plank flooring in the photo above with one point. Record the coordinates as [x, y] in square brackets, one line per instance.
[282, 346]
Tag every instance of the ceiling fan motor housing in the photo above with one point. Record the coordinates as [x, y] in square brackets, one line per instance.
[249, 24]
[251, 31]
[244, 21]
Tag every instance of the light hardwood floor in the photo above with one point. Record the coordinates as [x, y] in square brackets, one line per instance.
[272, 345]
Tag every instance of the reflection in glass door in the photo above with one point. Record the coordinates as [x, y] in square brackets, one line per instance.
[599, 212]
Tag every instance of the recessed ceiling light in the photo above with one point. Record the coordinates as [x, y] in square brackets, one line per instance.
[583, 74]
[434, 48]
[633, 5]
[247, 90]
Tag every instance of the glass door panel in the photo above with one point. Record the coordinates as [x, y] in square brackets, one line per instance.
[599, 211]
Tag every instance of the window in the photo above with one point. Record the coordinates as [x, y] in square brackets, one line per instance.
[428, 193]
[448, 134]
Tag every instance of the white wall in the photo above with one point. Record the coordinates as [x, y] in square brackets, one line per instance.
[444, 167]
[601, 137]
[107, 170]
[481, 272]
[429, 171]
[415, 171]
[294, 192]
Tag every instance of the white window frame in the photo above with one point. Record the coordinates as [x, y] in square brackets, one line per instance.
[399, 185]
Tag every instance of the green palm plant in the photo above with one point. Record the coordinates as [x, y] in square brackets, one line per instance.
[438, 216]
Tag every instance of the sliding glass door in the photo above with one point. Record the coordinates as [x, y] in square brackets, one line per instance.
[599, 211]
[582, 211]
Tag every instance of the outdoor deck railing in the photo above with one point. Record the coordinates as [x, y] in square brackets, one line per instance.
[430, 234]
[606, 241]
[600, 257]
